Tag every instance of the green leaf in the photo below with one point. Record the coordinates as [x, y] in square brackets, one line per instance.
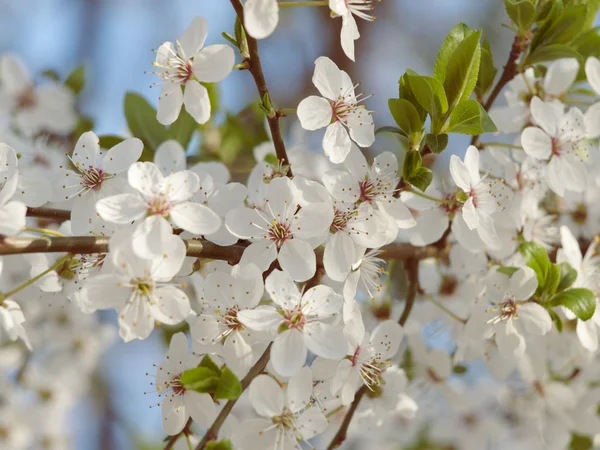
[412, 164]
[469, 117]
[552, 281]
[429, 93]
[550, 53]
[437, 142]
[229, 38]
[51, 74]
[558, 323]
[84, 123]
[463, 69]
[579, 442]
[562, 28]
[451, 42]
[229, 387]
[393, 130]
[210, 364]
[405, 92]
[521, 12]
[507, 270]
[487, 70]
[535, 256]
[459, 369]
[421, 179]
[568, 275]
[225, 444]
[546, 9]
[405, 115]
[141, 120]
[76, 80]
[109, 141]
[579, 301]
[182, 129]
[200, 379]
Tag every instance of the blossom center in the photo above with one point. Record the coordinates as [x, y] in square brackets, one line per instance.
[177, 386]
[285, 420]
[556, 147]
[580, 214]
[340, 220]
[508, 309]
[368, 190]
[294, 319]
[359, 8]
[231, 319]
[450, 206]
[92, 178]
[279, 233]
[159, 206]
[143, 286]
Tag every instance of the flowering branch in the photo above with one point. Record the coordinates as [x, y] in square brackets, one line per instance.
[213, 432]
[255, 68]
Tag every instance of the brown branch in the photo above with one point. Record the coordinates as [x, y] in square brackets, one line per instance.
[213, 432]
[340, 436]
[49, 213]
[255, 68]
[170, 442]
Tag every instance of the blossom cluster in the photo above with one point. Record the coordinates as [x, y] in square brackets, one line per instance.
[293, 301]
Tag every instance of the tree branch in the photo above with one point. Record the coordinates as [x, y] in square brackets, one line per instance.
[171, 440]
[213, 432]
[255, 69]
[340, 436]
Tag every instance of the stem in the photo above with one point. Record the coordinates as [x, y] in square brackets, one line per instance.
[433, 199]
[261, 84]
[500, 144]
[340, 436]
[213, 432]
[433, 300]
[43, 231]
[49, 213]
[307, 3]
[53, 267]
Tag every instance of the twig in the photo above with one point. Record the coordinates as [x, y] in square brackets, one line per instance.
[213, 432]
[49, 213]
[171, 440]
[255, 69]
[340, 436]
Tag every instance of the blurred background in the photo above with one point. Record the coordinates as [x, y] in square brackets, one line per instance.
[115, 38]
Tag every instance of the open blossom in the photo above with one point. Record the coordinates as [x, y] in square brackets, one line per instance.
[140, 289]
[12, 213]
[281, 230]
[301, 321]
[224, 295]
[94, 178]
[592, 115]
[347, 9]
[339, 109]
[159, 200]
[186, 64]
[560, 139]
[261, 17]
[287, 417]
[178, 404]
[367, 356]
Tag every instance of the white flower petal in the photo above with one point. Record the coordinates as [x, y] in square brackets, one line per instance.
[170, 101]
[261, 17]
[289, 352]
[298, 258]
[266, 396]
[193, 37]
[314, 113]
[536, 143]
[197, 101]
[213, 63]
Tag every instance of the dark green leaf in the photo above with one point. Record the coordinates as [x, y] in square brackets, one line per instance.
[141, 120]
[521, 12]
[393, 130]
[437, 142]
[558, 323]
[552, 281]
[182, 129]
[463, 69]
[229, 387]
[109, 141]
[487, 70]
[547, 9]
[405, 92]
[421, 179]
[225, 444]
[453, 39]
[507, 270]
[550, 53]
[562, 28]
[429, 93]
[405, 115]
[76, 80]
[210, 364]
[469, 117]
[568, 275]
[579, 301]
[535, 256]
[459, 369]
[200, 379]
[412, 163]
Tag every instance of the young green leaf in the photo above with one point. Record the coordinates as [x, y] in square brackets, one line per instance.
[579, 301]
[412, 164]
[210, 364]
[561, 28]
[558, 323]
[141, 120]
[421, 179]
[451, 42]
[225, 444]
[405, 92]
[521, 12]
[469, 117]
[552, 281]
[405, 115]
[76, 80]
[437, 142]
[183, 129]
[535, 256]
[229, 387]
[487, 70]
[393, 130]
[507, 270]
[109, 141]
[463, 69]
[550, 53]
[568, 275]
[200, 379]
[429, 93]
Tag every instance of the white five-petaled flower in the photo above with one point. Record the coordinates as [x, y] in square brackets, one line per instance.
[11, 320]
[288, 417]
[94, 178]
[481, 199]
[186, 64]
[159, 200]
[281, 230]
[560, 139]
[339, 109]
[178, 404]
[347, 9]
[12, 213]
[301, 321]
[261, 17]
[139, 288]
[367, 356]
[223, 296]
[509, 313]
